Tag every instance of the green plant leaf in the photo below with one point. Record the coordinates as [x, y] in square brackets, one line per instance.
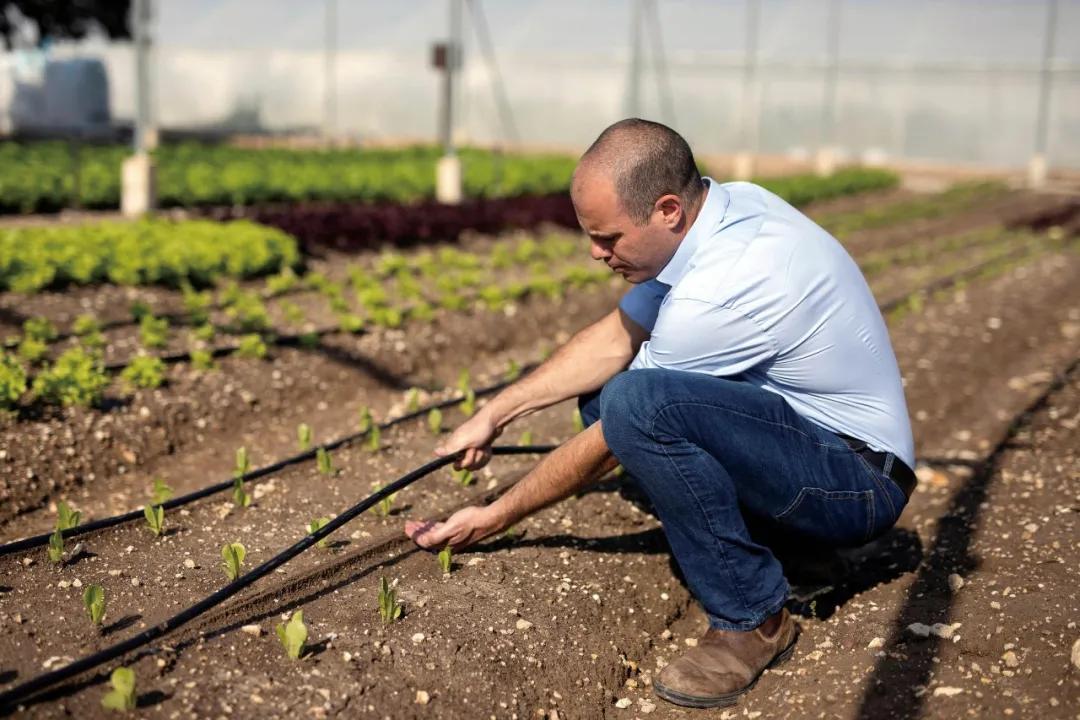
[468, 404]
[66, 518]
[303, 436]
[322, 459]
[122, 695]
[412, 400]
[155, 519]
[56, 547]
[579, 422]
[526, 438]
[316, 525]
[293, 635]
[232, 555]
[160, 493]
[94, 602]
[434, 421]
[445, 559]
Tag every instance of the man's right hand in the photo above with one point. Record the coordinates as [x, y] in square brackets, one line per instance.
[474, 437]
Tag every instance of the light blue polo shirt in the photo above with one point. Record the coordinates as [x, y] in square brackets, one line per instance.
[757, 289]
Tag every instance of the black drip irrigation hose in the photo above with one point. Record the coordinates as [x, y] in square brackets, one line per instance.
[41, 540]
[22, 692]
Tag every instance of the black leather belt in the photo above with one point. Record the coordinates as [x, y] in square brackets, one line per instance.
[898, 472]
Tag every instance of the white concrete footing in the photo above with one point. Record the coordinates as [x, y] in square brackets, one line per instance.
[138, 191]
[448, 180]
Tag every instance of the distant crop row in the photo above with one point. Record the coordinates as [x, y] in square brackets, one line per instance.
[39, 177]
[141, 253]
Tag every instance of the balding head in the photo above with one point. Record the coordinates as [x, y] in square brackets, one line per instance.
[642, 161]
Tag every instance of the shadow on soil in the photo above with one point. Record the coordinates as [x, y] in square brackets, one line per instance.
[903, 665]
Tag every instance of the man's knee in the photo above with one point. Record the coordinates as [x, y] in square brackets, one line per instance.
[625, 402]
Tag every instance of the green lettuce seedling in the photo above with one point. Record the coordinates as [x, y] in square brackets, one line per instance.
[56, 547]
[251, 347]
[382, 508]
[66, 518]
[294, 635]
[526, 438]
[232, 555]
[202, 360]
[389, 607]
[465, 477]
[144, 371]
[367, 421]
[374, 441]
[154, 332]
[160, 493]
[94, 601]
[445, 559]
[513, 372]
[434, 421]
[240, 496]
[463, 381]
[122, 695]
[412, 400]
[322, 459]
[303, 436]
[468, 405]
[12, 381]
[155, 519]
[315, 526]
[579, 422]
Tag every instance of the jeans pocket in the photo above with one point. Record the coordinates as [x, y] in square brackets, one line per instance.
[840, 517]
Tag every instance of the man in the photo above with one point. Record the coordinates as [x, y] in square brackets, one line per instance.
[762, 390]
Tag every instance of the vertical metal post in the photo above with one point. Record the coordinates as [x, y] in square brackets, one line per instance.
[826, 158]
[1038, 167]
[142, 75]
[448, 175]
[750, 115]
[633, 90]
[660, 68]
[330, 73]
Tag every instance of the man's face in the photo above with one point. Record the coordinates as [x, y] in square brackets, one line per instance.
[637, 252]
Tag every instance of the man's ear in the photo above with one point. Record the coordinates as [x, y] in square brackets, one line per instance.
[671, 210]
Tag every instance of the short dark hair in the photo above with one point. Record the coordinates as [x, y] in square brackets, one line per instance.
[647, 160]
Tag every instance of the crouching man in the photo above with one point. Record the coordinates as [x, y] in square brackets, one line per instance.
[747, 378]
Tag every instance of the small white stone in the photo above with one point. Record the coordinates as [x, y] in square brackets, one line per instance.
[76, 583]
[623, 703]
[63, 584]
[690, 642]
[189, 563]
[876, 643]
[943, 690]
[135, 582]
[646, 707]
[1075, 657]
[1010, 659]
[422, 697]
[955, 582]
[253, 630]
[523, 624]
[418, 638]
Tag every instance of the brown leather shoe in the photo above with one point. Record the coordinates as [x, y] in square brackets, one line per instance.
[726, 663]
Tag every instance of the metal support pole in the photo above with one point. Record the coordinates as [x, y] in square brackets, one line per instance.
[448, 187]
[750, 114]
[330, 73]
[1038, 167]
[633, 90]
[507, 126]
[660, 68]
[826, 156]
[138, 193]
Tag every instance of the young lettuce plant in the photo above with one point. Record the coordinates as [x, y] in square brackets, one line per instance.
[293, 635]
[232, 556]
[155, 519]
[160, 493]
[241, 497]
[463, 381]
[56, 547]
[66, 518]
[434, 421]
[513, 372]
[202, 360]
[325, 464]
[579, 422]
[303, 436]
[526, 438]
[367, 420]
[445, 559]
[94, 601]
[382, 508]
[315, 526]
[468, 405]
[122, 695]
[389, 607]
[374, 441]
[412, 400]
[154, 332]
[464, 477]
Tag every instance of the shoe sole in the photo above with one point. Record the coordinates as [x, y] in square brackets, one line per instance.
[697, 701]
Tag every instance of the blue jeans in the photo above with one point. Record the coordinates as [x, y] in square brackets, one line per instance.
[714, 455]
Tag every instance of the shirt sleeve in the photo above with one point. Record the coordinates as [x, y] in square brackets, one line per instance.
[702, 337]
[642, 302]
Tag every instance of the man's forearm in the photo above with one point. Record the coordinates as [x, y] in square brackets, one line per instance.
[576, 464]
[582, 365]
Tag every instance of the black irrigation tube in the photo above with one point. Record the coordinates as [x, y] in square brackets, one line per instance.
[108, 522]
[24, 691]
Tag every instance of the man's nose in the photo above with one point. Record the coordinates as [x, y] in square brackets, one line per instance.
[598, 251]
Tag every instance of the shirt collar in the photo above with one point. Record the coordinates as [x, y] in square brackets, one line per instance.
[709, 217]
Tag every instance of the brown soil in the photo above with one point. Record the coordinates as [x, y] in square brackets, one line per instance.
[575, 614]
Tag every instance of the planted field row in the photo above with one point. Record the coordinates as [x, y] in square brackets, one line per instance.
[39, 177]
[148, 252]
[352, 227]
